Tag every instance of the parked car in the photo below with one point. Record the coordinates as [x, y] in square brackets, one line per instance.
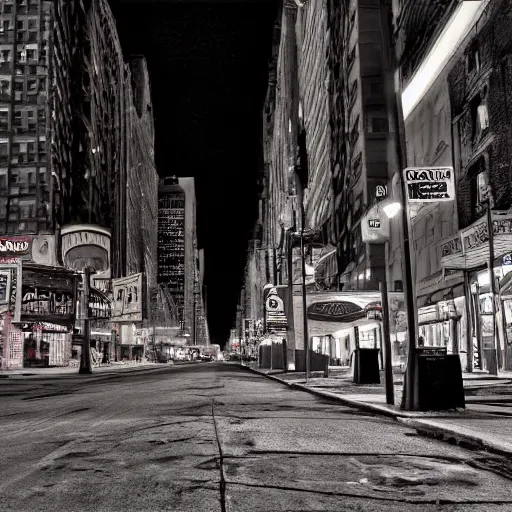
[206, 357]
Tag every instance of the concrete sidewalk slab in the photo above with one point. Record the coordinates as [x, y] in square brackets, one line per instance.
[480, 425]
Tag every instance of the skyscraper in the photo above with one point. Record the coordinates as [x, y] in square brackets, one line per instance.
[178, 255]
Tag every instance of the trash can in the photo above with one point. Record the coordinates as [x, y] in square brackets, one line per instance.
[439, 384]
[366, 366]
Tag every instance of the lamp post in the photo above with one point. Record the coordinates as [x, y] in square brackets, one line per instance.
[409, 401]
[85, 355]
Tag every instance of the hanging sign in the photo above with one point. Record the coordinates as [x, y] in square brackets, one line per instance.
[375, 226]
[429, 184]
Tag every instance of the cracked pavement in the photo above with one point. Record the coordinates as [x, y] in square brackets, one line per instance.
[214, 437]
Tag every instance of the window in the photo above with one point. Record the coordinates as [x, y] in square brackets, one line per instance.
[32, 55]
[3, 151]
[32, 85]
[5, 88]
[21, 56]
[3, 180]
[473, 59]
[479, 116]
[377, 125]
[480, 187]
[4, 120]
[18, 118]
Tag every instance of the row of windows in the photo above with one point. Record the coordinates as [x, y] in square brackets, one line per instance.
[23, 152]
[26, 120]
[29, 54]
[22, 85]
[22, 180]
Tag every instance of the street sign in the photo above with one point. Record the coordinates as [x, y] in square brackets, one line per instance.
[429, 184]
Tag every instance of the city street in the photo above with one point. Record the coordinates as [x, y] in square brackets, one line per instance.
[213, 436]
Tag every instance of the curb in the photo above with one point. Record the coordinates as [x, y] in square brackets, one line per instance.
[453, 436]
[422, 426]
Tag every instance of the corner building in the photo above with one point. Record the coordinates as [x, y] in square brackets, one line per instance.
[75, 135]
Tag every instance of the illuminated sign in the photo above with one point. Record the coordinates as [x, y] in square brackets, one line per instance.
[335, 311]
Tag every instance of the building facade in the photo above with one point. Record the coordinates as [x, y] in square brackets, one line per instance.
[329, 153]
[76, 136]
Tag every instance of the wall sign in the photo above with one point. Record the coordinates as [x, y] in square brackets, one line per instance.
[15, 246]
[429, 184]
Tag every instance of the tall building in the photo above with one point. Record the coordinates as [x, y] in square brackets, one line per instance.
[171, 241]
[25, 84]
[179, 266]
[78, 185]
[329, 153]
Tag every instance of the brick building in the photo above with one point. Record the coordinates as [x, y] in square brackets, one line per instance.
[480, 92]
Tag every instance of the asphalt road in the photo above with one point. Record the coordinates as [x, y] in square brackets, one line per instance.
[214, 437]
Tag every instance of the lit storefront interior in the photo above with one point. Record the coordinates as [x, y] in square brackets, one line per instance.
[47, 315]
[341, 322]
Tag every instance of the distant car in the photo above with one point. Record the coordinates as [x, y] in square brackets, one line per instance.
[206, 357]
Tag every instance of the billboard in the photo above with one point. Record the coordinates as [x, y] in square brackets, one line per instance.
[429, 184]
[127, 299]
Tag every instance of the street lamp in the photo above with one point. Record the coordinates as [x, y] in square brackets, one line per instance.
[397, 203]
[85, 355]
[391, 209]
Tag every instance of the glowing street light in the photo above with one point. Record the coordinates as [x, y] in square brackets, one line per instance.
[391, 209]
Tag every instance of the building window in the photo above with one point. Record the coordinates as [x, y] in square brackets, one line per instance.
[5, 56]
[5, 88]
[480, 187]
[4, 120]
[377, 125]
[479, 116]
[3, 180]
[473, 59]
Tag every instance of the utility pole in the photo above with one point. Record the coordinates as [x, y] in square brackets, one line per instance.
[85, 355]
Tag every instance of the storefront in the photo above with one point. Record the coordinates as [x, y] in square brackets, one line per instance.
[485, 332]
[341, 322]
[47, 314]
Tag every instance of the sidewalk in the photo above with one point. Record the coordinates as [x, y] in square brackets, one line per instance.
[485, 423]
[72, 370]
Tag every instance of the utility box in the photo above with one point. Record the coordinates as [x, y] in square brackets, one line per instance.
[366, 366]
[439, 384]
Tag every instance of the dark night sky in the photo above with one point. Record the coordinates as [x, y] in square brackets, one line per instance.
[208, 69]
